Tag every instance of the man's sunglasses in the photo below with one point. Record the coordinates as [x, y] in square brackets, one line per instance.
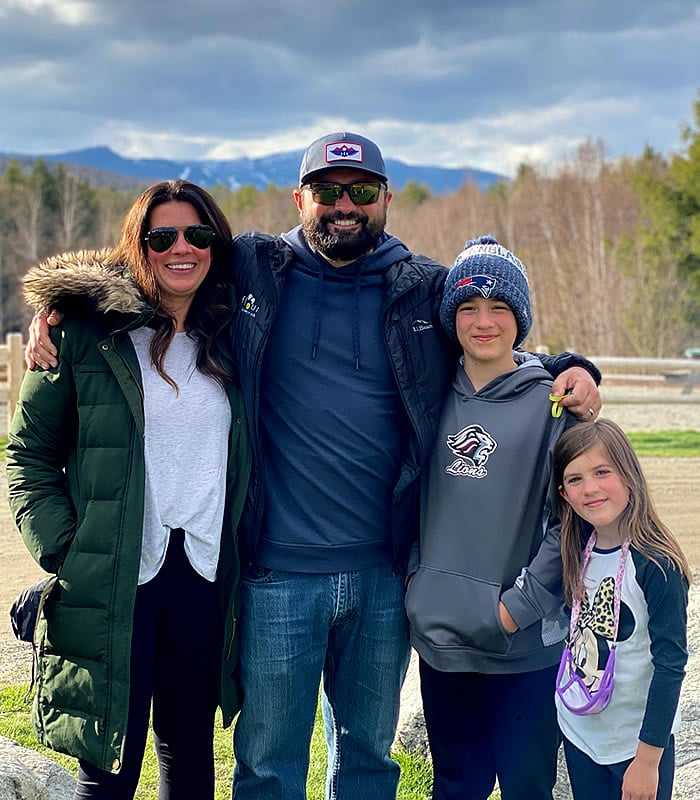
[361, 193]
[162, 239]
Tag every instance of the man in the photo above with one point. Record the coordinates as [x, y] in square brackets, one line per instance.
[343, 369]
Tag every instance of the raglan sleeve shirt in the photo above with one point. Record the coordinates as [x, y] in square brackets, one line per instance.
[666, 595]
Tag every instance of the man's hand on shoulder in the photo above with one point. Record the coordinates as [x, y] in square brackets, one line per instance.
[582, 397]
[40, 350]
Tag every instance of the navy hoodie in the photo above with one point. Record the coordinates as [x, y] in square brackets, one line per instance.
[331, 415]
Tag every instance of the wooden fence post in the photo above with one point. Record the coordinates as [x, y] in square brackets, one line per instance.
[15, 371]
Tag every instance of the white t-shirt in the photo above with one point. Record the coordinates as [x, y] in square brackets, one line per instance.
[186, 452]
[650, 660]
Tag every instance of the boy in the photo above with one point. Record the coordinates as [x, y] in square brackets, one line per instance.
[484, 602]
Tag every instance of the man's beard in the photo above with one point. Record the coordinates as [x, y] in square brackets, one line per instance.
[342, 246]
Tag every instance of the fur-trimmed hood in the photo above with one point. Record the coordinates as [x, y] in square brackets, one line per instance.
[82, 278]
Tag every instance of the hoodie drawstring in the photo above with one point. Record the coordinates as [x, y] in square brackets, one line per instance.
[318, 304]
[318, 314]
[356, 319]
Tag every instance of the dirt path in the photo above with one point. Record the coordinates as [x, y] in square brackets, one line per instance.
[17, 570]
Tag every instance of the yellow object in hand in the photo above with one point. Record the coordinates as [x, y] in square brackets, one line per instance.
[557, 408]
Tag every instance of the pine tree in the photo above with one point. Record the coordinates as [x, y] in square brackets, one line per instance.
[684, 200]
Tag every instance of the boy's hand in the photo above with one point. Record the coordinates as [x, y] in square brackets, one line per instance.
[583, 398]
[641, 778]
[507, 622]
[40, 350]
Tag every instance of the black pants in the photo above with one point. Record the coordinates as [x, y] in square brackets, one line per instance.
[174, 662]
[591, 781]
[481, 727]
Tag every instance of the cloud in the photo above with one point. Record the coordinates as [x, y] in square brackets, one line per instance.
[473, 83]
[63, 12]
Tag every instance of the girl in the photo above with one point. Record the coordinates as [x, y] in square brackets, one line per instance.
[127, 469]
[626, 580]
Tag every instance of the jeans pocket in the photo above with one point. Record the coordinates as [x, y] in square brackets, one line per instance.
[258, 575]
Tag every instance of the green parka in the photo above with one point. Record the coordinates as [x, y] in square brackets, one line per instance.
[76, 473]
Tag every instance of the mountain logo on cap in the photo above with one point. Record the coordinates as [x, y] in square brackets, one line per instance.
[484, 284]
[343, 151]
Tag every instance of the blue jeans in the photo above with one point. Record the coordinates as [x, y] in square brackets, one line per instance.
[349, 626]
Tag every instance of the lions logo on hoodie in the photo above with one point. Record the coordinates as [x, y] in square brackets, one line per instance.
[472, 446]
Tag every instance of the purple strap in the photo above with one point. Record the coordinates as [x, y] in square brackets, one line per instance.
[576, 607]
[593, 702]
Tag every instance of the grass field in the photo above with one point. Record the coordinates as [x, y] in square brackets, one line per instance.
[666, 443]
[15, 724]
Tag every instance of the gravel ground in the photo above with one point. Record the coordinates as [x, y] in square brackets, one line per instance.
[653, 417]
[640, 408]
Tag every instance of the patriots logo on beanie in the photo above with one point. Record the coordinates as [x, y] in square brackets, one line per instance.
[488, 269]
[482, 283]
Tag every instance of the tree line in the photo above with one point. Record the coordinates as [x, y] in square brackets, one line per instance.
[612, 246]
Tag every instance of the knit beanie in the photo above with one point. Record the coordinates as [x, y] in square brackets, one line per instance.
[486, 269]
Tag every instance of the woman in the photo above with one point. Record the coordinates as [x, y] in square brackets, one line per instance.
[127, 467]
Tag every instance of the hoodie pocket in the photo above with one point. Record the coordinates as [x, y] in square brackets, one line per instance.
[451, 610]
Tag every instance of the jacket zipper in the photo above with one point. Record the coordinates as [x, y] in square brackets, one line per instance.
[255, 444]
[409, 363]
[108, 711]
[389, 317]
[134, 378]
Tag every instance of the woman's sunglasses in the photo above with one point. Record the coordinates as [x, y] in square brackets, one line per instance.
[361, 193]
[162, 239]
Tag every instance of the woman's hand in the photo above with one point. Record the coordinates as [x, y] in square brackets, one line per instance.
[507, 622]
[641, 778]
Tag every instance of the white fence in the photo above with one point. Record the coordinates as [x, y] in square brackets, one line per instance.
[11, 372]
[649, 380]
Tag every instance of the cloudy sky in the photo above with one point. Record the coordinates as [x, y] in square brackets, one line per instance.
[483, 83]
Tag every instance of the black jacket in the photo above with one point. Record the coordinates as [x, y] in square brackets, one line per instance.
[421, 355]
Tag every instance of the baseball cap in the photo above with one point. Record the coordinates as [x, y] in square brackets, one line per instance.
[344, 149]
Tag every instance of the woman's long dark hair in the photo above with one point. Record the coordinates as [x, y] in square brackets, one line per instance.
[211, 309]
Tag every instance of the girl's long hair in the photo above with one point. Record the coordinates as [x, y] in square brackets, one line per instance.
[211, 309]
[639, 520]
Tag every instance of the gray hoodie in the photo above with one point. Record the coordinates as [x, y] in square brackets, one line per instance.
[488, 532]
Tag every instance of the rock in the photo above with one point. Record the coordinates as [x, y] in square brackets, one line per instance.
[687, 779]
[411, 733]
[562, 788]
[413, 737]
[27, 775]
